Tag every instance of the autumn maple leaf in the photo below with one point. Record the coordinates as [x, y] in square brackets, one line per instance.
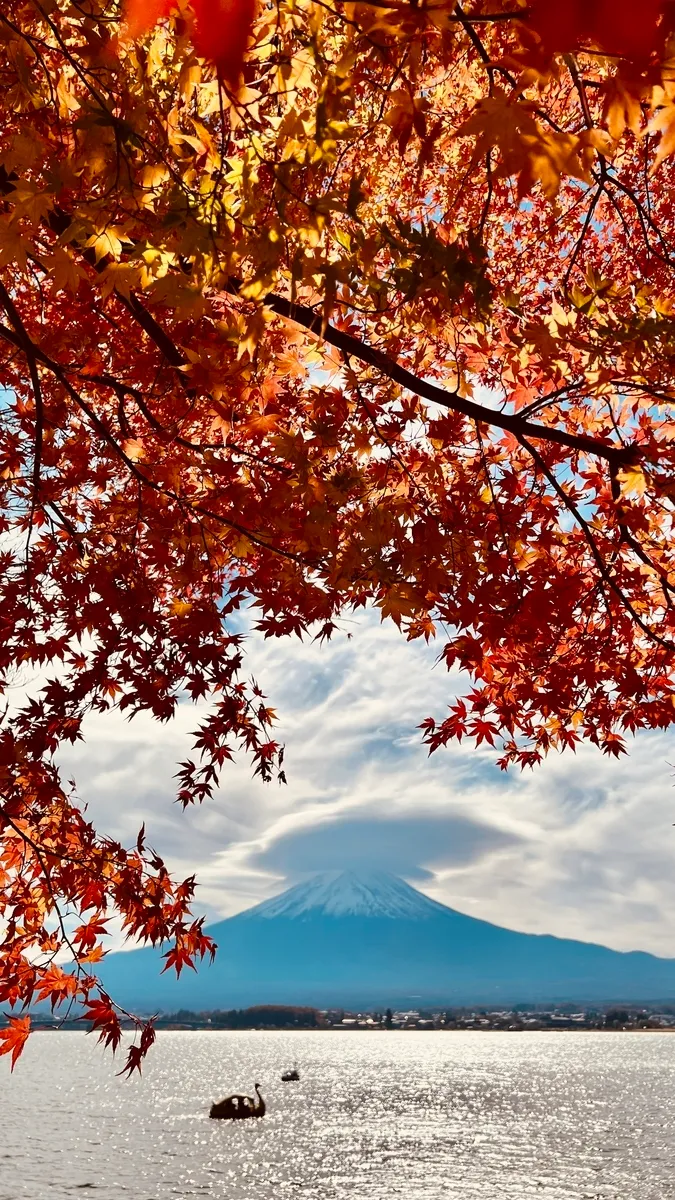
[13, 1038]
[137, 1051]
[141, 15]
[178, 958]
[221, 31]
[619, 27]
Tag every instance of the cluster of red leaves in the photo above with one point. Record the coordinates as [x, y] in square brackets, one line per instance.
[49, 851]
[392, 324]
[618, 27]
[101, 1015]
[222, 28]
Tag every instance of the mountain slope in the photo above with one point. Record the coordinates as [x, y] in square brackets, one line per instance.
[354, 939]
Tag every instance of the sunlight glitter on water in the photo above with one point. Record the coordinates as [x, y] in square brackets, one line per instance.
[457, 1116]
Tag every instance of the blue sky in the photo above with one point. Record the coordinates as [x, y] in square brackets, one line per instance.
[582, 847]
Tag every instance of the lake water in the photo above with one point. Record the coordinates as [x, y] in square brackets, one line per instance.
[425, 1116]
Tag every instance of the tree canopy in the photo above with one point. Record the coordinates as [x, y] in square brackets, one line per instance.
[310, 305]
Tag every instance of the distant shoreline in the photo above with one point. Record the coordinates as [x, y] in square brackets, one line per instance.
[73, 1027]
[565, 1018]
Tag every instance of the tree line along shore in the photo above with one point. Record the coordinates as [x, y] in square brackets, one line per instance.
[521, 1018]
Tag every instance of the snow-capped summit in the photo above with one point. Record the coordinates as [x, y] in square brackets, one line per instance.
[350, 894]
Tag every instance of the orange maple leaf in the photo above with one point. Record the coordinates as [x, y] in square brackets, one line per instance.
[13, 1038]
[141, 15]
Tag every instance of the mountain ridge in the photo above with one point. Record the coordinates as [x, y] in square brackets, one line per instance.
[369, 939]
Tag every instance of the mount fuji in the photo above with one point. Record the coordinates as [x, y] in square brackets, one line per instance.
[368, 940]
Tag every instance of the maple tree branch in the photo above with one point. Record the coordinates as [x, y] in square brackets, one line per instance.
[475, 18]
[37, 850]
[467, 24]
[579, 86]
[173, 355]
[80, 971]
[100, 426]
[58, 222]
[347, 343]
[512, 423]
[28, 348]
[551, 398]
[516, 576]
[122, 389]
[67, 524]
[167, 492]
[666, 586]
[580, 240]
[426, 501]
[603, 569]
[645, 219]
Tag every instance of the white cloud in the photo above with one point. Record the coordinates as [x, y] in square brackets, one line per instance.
[582, 847]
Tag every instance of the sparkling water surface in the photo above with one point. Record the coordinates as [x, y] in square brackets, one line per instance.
[426, 1116]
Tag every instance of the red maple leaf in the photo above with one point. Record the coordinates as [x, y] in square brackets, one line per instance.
[619, 27]
[13, 1038]
[221, 31]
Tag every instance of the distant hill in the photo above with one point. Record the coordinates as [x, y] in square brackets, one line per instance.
[352, 939]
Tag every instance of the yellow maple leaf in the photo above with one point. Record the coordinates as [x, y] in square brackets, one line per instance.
[180, 608]
[622, 107]
[12, 246]
[663, 122]
[64, 271]
[134, 449]
[633, 481]
[105, 243]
